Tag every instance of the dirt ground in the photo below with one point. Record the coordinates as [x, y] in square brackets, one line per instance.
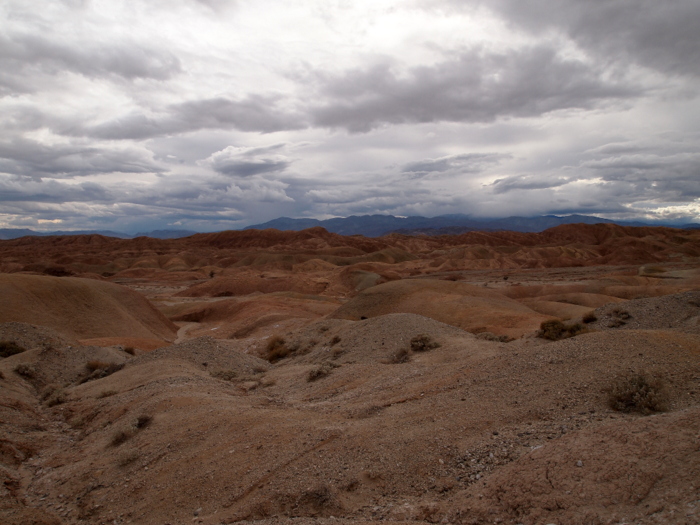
[418, 391]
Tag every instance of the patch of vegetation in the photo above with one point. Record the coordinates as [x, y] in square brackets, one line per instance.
[130, 350]
[53, 395]
[2, 376]
[619, 317]
[335, 340]
[100, 369]
[107, 393]
[143, 421]
[590, 317]
[402, 355]
[423, 343]
[490, 336]
[277, 348]
[26, 371]
[120, 437]
[128, 457]
[554, 330]
[8, 348]
[318, 372]
[224, 375]
[58, 271]
[638, 392]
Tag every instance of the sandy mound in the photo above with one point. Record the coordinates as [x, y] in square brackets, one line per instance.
[643, 471]
[670, 312]
[475, 309]
[81, 308]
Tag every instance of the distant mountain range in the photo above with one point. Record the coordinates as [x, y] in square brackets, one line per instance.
[15, 233]
[378, 225]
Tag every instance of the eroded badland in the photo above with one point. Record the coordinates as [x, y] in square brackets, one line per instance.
[307, 377]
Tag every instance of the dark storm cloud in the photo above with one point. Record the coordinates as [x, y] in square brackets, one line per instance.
[261, 113]
[527, 182]
[27, 58]
[475, 86]
[466, 163]
[660, 35]
[51, 191]
[29, 158]
[246, 162]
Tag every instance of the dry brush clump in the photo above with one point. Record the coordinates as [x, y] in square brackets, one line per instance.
[25, 370]
[423, 343]
[402, 355]
[490, 336]
[123, 435]
[130, 350]
[619, 317]
[278, 348]
[590, 317]
[640, 392]
[53, 395]
[9, 348]
[319, 372]
[224, 375]
[99, 369]
[554, 330]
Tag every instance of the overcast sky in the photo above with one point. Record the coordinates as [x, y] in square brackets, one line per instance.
[217, 114]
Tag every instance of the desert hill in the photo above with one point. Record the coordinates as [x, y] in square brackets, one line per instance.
[307, 377]
[81, 308]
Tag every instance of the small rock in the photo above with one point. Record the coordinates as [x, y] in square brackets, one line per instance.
[198, 511]
[579, 463]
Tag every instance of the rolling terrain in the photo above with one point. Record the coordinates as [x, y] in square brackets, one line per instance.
[310, 377]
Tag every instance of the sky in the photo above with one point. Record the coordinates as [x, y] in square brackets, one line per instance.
[216, 114]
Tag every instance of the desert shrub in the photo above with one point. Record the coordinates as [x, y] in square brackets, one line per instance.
[8, 348]
[120, 437]
[335, 340]
[402, 355]
[276, 349]
[423, 343]
[2, 376]
[143, 421]
[490, 336]
[106, 393]
[694, 302]
[225, 375]
[100, 369]
[620, 313]
[53, 395]
[130, 350]
[128, 457]
[26, 371]
[58, 271]
[317, 373]
[554, 330]
[590, 317]
[638, 392]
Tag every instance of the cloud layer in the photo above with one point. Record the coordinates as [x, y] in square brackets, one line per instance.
[212, 114]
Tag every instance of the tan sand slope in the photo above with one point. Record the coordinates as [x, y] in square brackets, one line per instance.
[81, 308]
[474, 309]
